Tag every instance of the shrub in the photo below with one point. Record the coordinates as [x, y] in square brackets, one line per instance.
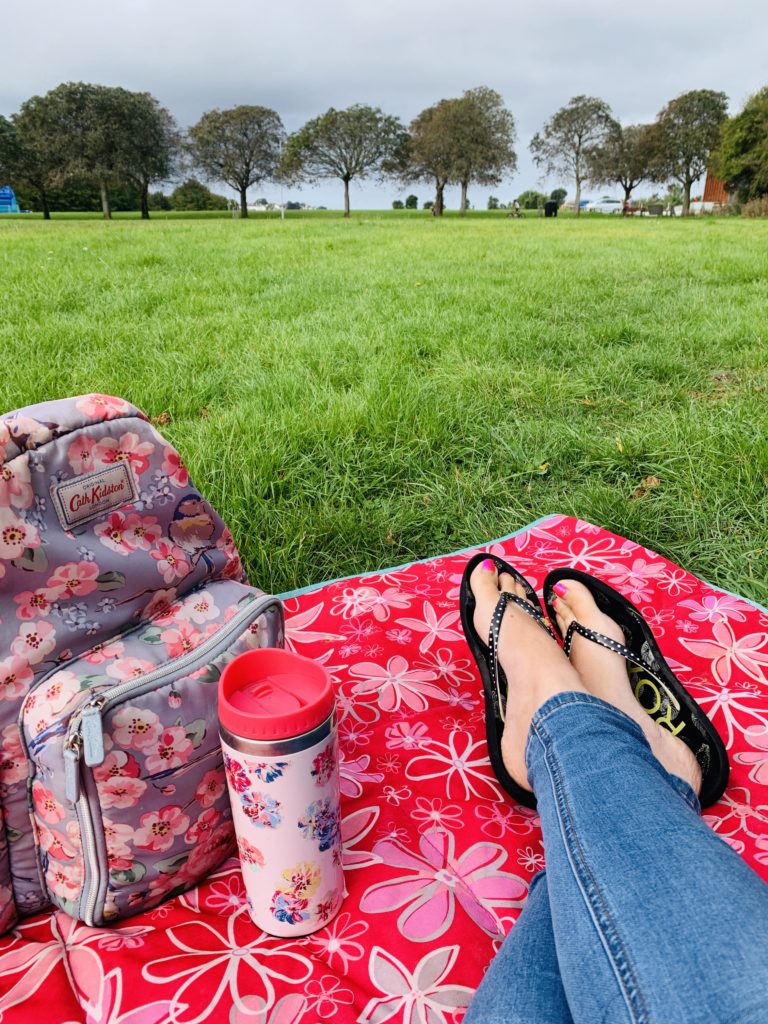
[531, 200]
[193, 195]
[756, 207]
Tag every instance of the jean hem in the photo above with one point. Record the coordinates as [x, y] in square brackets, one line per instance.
[567, 698]
[683, 788]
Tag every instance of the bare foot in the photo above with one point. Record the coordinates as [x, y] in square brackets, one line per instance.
[604, 674]
[533, 663]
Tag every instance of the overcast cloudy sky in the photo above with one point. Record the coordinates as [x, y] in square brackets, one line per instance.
[302, 56]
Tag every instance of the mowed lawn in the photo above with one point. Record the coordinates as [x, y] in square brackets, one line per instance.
[352, 395]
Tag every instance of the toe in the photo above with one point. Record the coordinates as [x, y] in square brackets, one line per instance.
[507, 583]
[563, 614]
[484, 580]
[513, 586]
[574, 601]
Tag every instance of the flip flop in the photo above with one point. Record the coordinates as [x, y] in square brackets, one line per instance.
[486, 657]
[656, 688]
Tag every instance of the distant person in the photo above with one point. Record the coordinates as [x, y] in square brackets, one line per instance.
[626, 209]
[516, 208]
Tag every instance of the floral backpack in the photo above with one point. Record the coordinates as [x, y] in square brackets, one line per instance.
[121, 597]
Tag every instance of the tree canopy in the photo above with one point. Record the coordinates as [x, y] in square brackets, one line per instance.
[685, 133]
[625, 157]
[241, 146]
[741, 159]
[571, 134]
[346, 144]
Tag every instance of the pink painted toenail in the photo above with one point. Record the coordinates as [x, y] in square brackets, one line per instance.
[489, 565]
[560, 588]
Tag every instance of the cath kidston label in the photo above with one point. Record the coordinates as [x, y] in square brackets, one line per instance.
[86, 497]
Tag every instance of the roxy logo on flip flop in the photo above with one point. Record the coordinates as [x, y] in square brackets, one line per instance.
[87, 497]
[652, 700]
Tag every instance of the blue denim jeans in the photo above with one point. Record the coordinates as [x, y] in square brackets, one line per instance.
[643, 915]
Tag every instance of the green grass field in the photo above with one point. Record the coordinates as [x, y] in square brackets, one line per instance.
[352, 395]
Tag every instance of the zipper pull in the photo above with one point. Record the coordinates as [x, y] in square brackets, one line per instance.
[91, 731]
[72, 750]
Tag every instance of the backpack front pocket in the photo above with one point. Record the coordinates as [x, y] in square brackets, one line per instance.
[128, 794]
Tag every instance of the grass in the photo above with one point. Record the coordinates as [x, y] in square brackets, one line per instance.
[352, 395]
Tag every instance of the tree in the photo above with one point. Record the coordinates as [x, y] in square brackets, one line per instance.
[411, 202]
[148, 146]
[685, 133]
[193, 195]
[570, 134]
[483, 138]
[741, 158]
[240, 146]
[76, 130]
[558, 195]
[354, 143]
[493, 203]
[429, 154]
[87, 122]
[625, 157]
[30, 155]
[398, 204]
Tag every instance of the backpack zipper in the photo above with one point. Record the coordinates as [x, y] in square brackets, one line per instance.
[85, 737]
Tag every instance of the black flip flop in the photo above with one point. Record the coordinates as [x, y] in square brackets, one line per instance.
[486, 657]
[657, 689]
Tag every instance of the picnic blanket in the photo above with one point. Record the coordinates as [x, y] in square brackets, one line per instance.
[438, 859]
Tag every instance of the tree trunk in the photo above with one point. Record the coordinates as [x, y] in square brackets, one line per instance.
[346, 196]
[627, 192]
[687, 198]
[463, 206]
[106, 209]
[578, 197]
[439, 206]
[44, 201]
[243, 203]
[145, 202]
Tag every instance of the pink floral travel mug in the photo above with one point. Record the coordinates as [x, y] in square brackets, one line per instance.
[278, 732]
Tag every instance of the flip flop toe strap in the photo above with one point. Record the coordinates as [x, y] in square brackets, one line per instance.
[604, 641]
[493, 638]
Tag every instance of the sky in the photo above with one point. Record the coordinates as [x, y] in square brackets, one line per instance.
[300, 57]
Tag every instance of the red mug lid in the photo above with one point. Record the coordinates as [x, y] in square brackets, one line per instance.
[273, 694]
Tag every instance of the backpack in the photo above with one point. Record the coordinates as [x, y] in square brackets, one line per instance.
[122, 596]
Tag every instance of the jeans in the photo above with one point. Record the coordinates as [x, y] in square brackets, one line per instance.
[643, 914]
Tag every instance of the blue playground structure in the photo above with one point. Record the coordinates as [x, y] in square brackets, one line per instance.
[8, 202]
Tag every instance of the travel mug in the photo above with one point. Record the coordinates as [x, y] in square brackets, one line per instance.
[277, 723]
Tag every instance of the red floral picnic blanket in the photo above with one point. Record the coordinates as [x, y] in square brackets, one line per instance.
[438, 859]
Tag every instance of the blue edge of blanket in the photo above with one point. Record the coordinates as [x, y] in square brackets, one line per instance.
[461, 551]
